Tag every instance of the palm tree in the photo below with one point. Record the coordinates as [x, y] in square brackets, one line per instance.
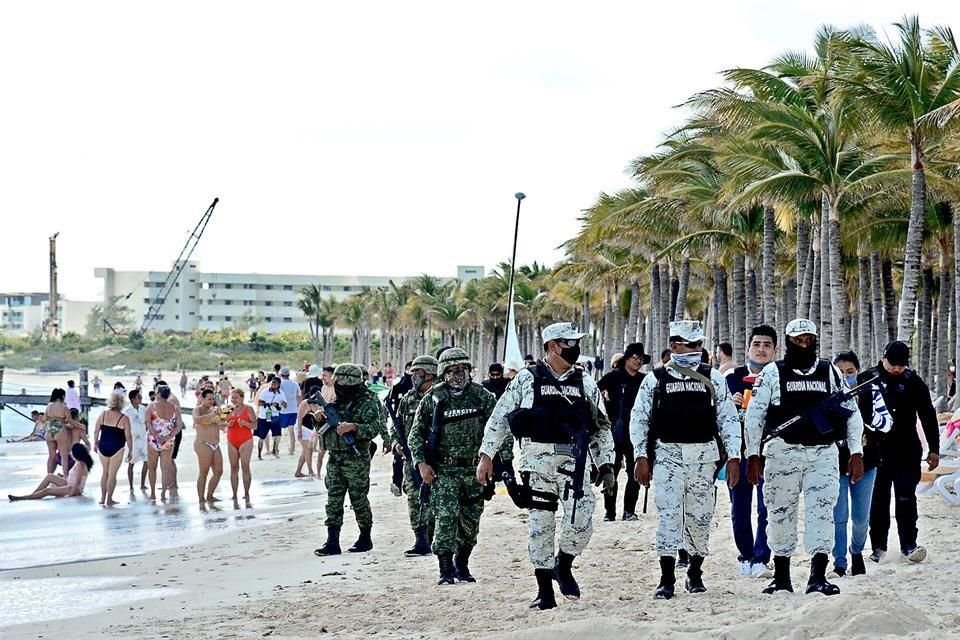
[912, 89]
[309, 303]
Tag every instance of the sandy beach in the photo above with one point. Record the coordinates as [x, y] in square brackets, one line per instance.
[262, 580]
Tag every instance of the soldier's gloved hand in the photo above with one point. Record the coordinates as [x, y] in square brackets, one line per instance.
[733, 472]
[641, 472]
[754, 470]
[855, 467]
[606, 478]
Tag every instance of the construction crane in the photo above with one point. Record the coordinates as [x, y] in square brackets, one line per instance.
[156, 302]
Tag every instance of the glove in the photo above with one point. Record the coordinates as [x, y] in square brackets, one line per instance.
[606, 478]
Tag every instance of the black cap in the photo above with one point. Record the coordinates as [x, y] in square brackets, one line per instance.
[496, 367]
[636, 349]
[897, 353]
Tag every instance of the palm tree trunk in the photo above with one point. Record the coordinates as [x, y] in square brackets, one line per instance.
[788, 295]
[865, 341]
[926, 307]
[813, 313]
[889, 298]
[608, 328]
[876, 310]
[630, 335]
[666, 290]
[655, 319]
[715, 308]
[838, 297]
[803, 259]
[940, 356]
[736, 337]
[806, 286]
[752, 308]
[911, 254]
[618, 319]
[826, 260]
[586, 321]
[681, 307]
[769, 242]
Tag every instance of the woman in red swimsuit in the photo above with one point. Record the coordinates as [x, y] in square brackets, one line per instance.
[241, 421]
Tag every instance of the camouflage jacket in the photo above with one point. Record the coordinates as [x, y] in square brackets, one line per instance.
[365, 410]
[463, 418]
[407, 413]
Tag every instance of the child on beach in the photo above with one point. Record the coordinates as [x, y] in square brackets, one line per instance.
[54, 485]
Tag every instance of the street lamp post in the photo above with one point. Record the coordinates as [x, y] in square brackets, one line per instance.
[513, 267]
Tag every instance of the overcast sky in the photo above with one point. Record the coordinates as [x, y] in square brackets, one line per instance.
[351, 137]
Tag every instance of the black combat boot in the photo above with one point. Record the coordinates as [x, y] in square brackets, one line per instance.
[667, 578]
[610, 505]
[683, 559]
[445, 560]
[563, 574]
[545, 598]
[332, 546]
[363, 543]
[857, 568]
[462, 565]
[422, 546]
[781, 576]
[818, 577]
[694, 583]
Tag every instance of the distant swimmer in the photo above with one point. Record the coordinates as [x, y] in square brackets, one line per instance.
[56, 486]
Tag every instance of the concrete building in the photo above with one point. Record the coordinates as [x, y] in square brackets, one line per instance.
[218, 300]
[23, 313]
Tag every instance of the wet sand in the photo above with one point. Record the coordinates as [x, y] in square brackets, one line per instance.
[264, 581]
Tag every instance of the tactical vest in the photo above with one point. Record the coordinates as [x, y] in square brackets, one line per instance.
[462, 422]
[798, 395]
[561, 409]
[683, 408]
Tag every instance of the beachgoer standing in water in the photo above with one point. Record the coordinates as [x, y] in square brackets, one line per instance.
[163, 424]
[241, 422]
[207, 422]
[136, 413]
[111, 435]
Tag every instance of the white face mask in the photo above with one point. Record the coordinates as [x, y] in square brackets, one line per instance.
[687, 360]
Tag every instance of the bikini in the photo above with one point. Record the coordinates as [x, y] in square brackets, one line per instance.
[55, 425]
[112, 439]
[236, 434]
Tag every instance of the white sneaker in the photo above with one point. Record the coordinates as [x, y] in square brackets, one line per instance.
[760, 570]
[745, 568]
[919, 554]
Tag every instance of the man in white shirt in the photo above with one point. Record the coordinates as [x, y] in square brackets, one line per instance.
[136, 412]
[73, 396]
[270, 403]
[288, 414]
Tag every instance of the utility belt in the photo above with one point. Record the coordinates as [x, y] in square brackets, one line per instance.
[526, 498]
[453, 461]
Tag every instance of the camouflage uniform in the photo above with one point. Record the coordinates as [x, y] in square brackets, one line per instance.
[550, 467]
[349, 472]
[683, 473]
[794, 468]
[456, 496]
[406, 413]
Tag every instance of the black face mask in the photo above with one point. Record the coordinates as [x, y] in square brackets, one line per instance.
[797, 357]
[570, 355]
[345, 392]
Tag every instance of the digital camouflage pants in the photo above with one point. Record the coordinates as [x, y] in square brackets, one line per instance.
[348, 474]
[457, 506]
[575, 535]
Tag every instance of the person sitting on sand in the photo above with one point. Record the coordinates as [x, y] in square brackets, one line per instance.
[38, 432]
[54, 485]
[207, 422]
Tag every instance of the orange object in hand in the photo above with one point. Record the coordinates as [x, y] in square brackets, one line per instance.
[748, 393]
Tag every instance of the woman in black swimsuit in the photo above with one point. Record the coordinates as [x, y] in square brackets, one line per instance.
[111, 435]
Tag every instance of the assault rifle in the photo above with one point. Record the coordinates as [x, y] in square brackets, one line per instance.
[823, 413]
[400, 430]
[431, 448]
[332, 421]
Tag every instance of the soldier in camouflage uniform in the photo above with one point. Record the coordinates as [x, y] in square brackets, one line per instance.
[457, 409]
[681, 411]
[804, 458]
[547, 405]
[423, 375]
[348, 471]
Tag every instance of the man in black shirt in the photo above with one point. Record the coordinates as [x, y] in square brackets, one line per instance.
[619, 388]
[907, 398]
[495, 382]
